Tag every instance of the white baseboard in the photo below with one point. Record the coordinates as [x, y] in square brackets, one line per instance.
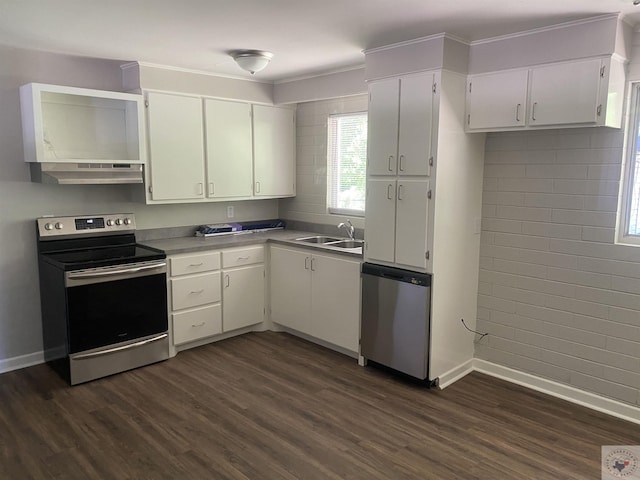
[559, 390]
[23, 361]
[455, 374]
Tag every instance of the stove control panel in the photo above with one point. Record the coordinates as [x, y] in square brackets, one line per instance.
[85, 225]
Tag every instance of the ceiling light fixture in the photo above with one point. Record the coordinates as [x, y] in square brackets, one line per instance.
[252, 60]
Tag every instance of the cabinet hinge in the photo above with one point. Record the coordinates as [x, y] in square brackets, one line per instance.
[146, 103]
[429, 194]
[434, 87]
[426, 254]
[599, 110]
[470, 87]
[431, 161]
[469, 119]
[602, 70]
[150, 189]
[369, 96]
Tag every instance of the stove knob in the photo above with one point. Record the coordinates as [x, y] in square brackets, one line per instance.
[127, 221]
[48, 226]
[118, 221]
[59, 226]
[110, 223]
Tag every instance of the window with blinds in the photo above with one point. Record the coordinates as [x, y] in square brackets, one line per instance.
[347, 161]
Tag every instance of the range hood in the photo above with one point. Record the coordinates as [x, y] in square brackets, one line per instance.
[86, 173]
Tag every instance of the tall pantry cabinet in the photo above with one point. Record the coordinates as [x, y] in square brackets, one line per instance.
[424, 186]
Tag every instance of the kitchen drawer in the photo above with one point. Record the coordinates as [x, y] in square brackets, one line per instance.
[198, 323]
[201, 262]
[242, 256]
[195, 290]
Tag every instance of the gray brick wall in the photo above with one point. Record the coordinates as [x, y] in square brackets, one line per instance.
[559, 299]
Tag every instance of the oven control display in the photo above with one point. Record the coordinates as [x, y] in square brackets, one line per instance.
[89, 223]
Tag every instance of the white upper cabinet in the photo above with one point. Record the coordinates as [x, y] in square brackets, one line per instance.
[229, 155]
[176, 147]
[382, 148]
[71, 125]
[274, 151]
[400, 120]
[204, 149]
[565, 93]
[579, 93]
[497, 100]
[416, 111]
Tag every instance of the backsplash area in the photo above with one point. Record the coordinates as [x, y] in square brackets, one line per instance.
[559, 299]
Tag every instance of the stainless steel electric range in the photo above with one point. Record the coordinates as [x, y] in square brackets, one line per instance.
[103, 296]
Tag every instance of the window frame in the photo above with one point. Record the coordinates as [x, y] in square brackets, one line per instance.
[629, 170]
[333, 210]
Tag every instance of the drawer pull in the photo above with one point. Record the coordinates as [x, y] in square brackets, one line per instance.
[196, 264]
[244, 258]
[196, 292]
[201, 324]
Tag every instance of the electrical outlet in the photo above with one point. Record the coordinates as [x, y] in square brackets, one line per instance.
[230, 211]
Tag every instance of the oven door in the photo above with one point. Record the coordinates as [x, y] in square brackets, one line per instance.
[111, 305]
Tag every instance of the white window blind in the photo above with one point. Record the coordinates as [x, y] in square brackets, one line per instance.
[347, 160]
[631, 191]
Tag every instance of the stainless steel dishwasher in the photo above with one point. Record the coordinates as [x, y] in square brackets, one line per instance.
[396, 306]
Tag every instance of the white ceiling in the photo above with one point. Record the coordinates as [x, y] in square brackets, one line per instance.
[306, 36]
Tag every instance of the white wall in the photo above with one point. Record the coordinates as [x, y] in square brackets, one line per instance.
[310, 202]
[559, 299]
[22, 201]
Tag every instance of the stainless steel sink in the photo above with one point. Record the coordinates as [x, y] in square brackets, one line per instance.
[318, 239]
[346, 244]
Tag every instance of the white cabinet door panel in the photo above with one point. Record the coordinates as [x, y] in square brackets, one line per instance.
[382, 143]
[380, 220]
[274, 151]
[176, 146]
[566, 93]
[415, 129]
[229, 154]
[411, 222]
[335, 301]
[242, 297]
[290, 283]
[496, 100]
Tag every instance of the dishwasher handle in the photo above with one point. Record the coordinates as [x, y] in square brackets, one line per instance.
[397, 274]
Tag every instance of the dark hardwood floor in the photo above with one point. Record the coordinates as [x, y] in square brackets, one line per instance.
[271, 406]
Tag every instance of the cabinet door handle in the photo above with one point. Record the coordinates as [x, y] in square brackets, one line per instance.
[312, 269]
[390, 161]
[196, 292]
[533, 111]
[201, 324]
[389, 187]
[306, 263]
[518, 112]
[200, 189]
[400, 167]
[400, 189]
[228, 280]
[211, 189]
[257, 187]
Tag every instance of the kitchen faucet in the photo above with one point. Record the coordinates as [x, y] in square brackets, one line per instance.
[348, 227]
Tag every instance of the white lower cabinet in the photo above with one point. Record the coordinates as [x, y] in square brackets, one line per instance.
[318, 295]
[243, 288]
[196, 323]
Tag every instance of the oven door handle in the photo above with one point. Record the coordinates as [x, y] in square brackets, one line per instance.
[87, 277]
[82, 356]
[76, 276]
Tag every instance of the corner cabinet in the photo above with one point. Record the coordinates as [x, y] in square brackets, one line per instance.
[400, 159]
[316, 295]
[204, 150]
[579, 93]
[274, 151]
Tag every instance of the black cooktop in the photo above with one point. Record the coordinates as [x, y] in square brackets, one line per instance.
[80, 259]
